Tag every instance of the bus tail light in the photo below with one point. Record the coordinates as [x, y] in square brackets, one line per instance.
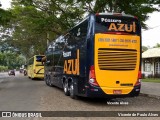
[97, 14]
[92, 76]
[139, 75]
[139, 78]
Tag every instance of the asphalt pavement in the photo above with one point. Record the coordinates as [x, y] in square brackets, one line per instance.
[3, 75]
[147, 88]
[150, 89]
[19, 93]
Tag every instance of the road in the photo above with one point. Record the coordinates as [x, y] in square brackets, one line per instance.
[3, 75]
[19, 93]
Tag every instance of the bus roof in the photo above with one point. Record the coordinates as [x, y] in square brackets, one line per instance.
[116, 14]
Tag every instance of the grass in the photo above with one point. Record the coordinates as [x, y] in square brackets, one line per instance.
[155, 80]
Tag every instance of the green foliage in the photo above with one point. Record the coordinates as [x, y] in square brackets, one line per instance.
[11, 60]
[154, 80]
[144, 48]
[139, 8]
[29, 32]
[157, 45]
[36, 22]
[5, 17]
[3, 68]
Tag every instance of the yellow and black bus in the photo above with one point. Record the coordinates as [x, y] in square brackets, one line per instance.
[99, 57]
[35, 67]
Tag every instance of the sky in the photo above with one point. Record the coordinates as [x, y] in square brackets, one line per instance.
[5, 3]
[150, 37]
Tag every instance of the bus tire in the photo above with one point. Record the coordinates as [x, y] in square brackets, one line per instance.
[72, 90]
[135, 94]
[46, 80]
[66, 87]
[50, 81]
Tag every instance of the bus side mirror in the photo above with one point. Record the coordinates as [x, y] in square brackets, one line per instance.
[48, 62]
[44, 59]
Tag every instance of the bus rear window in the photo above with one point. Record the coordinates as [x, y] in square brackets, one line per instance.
[117, 24]
[39, 58]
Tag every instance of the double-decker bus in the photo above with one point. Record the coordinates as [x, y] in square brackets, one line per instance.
[99, 57]
[35, 67]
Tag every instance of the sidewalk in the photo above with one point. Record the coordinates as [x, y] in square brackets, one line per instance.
[150, 89]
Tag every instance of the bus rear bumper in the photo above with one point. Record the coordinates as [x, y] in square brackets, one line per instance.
[97, 92]
[40, 76]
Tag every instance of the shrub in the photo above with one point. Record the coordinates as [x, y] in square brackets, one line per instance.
[143, 75]
[157, 75]
[3, 68]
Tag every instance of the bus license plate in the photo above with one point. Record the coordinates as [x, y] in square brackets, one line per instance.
[117, 91]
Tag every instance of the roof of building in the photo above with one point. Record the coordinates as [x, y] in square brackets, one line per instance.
[150, 53]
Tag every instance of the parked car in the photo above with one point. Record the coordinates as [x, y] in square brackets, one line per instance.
[21, 70]
[11, 72]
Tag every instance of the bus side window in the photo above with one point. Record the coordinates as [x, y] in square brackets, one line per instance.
[80, 33]
[51, 48]
[69, 41]
[59, 43]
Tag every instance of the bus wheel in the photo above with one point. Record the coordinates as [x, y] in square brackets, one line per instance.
[65, 87]
[46, 80]
[50, 82]
[72, 91]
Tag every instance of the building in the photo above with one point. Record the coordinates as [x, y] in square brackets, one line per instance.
[151, 62]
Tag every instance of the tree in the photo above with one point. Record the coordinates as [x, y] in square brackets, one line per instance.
[34, 22]
[29, 35]
[144, 48]
[157, 45]
[72, 10]
[11, 60]
[139, 8]
[5, 16]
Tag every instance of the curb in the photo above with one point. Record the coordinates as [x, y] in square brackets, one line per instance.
[149, 95]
